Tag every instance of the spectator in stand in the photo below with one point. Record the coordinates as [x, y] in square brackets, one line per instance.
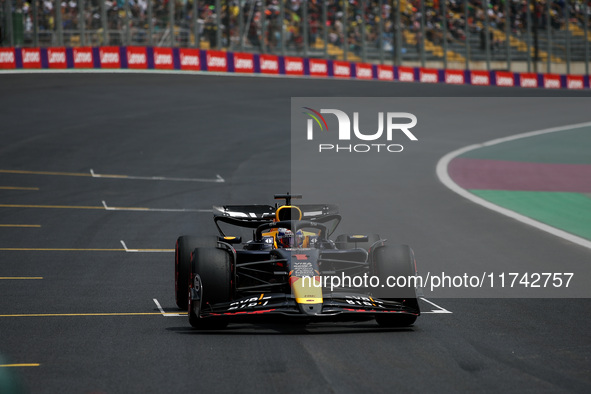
[359, 13]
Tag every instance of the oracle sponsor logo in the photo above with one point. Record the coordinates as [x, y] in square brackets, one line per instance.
[295, 66]
[482, 78]
[318, 68]
[454, 78]
[428, 76]
[406, 74]
[386, 74]
[528, 81]
[269, 64]
[341, 69]
[505, 79]
[364, 72]
[552, 81]
[573, 82]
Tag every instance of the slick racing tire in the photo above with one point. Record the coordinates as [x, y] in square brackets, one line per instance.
[342, 243]
[395, 321]
[214, 268]
[396, 261]
[185, 246]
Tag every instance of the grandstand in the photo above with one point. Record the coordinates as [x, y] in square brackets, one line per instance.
[521, 35]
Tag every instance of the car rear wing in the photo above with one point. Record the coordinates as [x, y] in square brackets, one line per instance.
[252, 216]
[316, 211]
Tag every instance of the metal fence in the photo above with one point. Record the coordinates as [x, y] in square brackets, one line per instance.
[520, 35]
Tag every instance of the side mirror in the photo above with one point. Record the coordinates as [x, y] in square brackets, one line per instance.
[357, 238]
[231, 240]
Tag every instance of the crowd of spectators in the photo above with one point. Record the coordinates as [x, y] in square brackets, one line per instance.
[262, 24]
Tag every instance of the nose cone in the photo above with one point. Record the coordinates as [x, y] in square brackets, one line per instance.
[311, 309]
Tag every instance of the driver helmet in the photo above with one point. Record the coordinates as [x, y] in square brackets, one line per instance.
[286, 238]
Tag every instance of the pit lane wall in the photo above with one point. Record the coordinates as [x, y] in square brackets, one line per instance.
[192, 59]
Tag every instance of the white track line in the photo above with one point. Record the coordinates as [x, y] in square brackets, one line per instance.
[440, 310]
[145, 250]
[444, 177]
[157, 304]
[182, 72]
[108, 208]
[165, 314]
[218, 178]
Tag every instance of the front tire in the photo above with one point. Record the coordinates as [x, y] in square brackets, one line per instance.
[214, 268]
[396, 261]
[185, 246]
[395, 321]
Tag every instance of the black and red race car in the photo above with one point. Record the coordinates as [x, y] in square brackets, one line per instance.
[292, 269]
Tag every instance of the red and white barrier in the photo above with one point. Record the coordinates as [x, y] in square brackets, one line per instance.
[31, 57]
[294, 66]
[244, 63]
[318, 68]
[191, 59]
[83, 57]
[364, 71]
[341, 69]
[480, 78]
[109, 57]
[406, 74]
[269, 64]
[385, 73]
[56, 58]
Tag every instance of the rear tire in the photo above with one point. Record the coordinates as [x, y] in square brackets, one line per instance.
[185, 246]
[214, 267]
[396, 260]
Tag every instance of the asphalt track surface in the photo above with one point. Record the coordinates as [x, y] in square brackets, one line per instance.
[199, 127]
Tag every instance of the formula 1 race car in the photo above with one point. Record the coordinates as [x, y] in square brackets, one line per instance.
[292, 269]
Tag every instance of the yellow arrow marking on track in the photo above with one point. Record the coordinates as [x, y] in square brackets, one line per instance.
[92, 314]
[51, 173]
[50, 206]
[17, 188]
[19, 365]
[61, 250]
[20, 225]
[82, 250]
